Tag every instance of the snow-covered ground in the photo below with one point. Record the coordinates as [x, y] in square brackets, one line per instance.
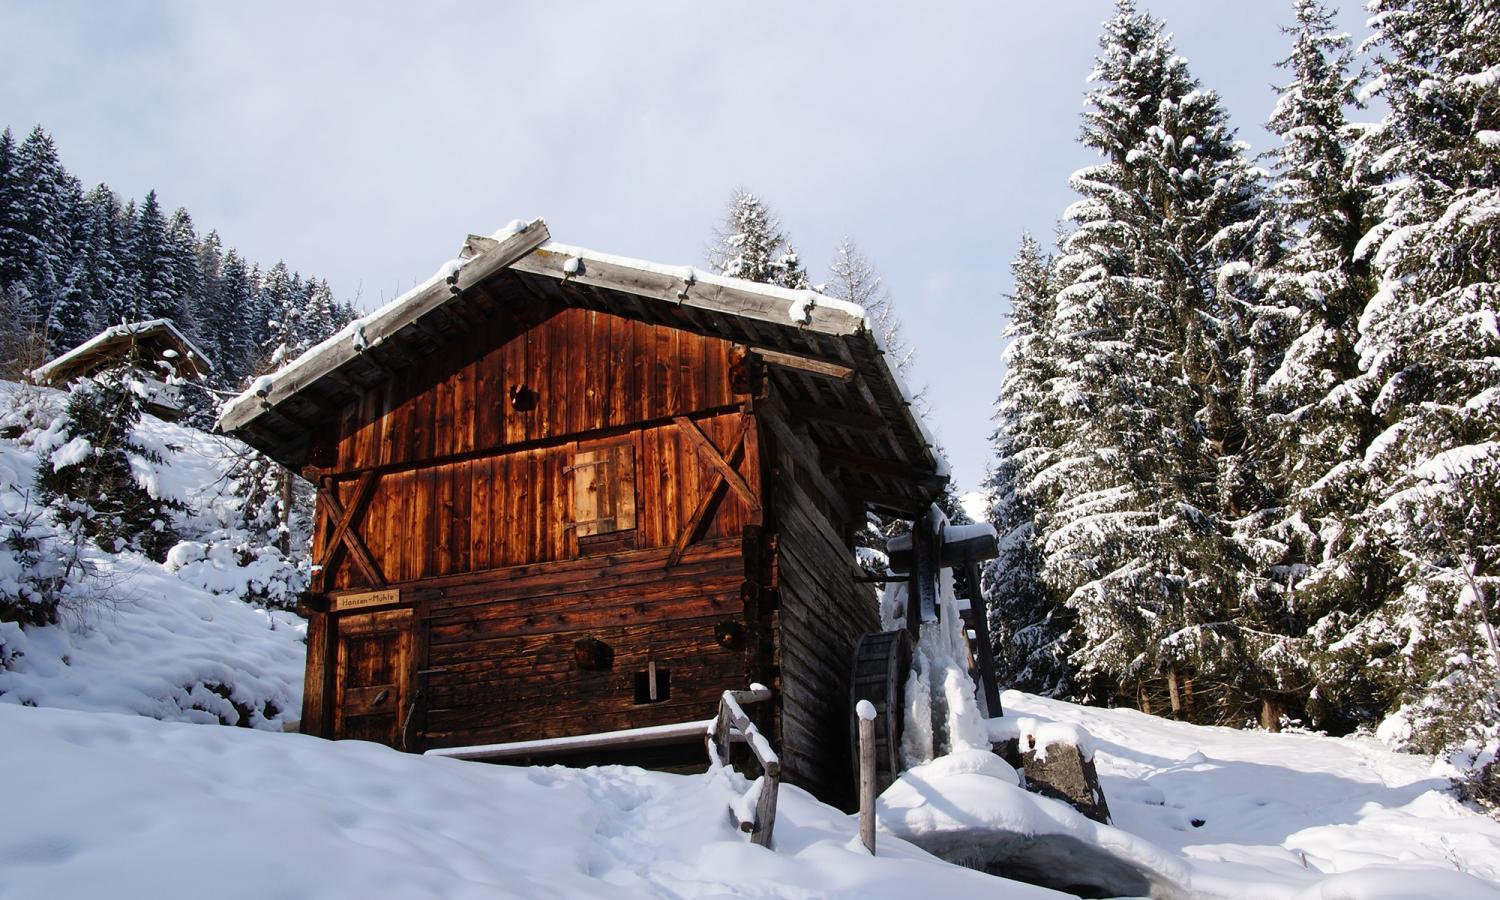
[100, 804]
[1268, 815]
[147, 808]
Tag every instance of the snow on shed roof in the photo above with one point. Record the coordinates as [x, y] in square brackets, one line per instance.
[116, 335]
[796, 328]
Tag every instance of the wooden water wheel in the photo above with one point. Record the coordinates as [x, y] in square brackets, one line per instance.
[882, 661]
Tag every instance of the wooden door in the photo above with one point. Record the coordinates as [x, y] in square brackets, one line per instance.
[372, 677]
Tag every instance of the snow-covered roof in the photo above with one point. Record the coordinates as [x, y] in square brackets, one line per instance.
[801, 334]
[107, 342]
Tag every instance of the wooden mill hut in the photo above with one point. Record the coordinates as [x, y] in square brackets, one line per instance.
[563, 494]
[162, 349]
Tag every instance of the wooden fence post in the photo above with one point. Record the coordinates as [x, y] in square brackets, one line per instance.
[866, 711]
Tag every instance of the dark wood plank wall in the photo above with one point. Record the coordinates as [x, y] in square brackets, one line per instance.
[821, 615]
[589, 371]
[501, 653]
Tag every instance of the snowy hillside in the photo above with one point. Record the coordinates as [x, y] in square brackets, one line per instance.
[167, 641]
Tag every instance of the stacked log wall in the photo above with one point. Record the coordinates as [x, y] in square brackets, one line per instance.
[501, 654]
[822, 613]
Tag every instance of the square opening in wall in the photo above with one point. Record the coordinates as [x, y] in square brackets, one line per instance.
[653, 685]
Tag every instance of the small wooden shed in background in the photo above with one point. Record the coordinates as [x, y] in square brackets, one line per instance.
[163, 349]
[562, 493]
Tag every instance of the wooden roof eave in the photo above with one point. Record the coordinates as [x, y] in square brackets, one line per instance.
[831, 344]
[767, 308]
[374, 332]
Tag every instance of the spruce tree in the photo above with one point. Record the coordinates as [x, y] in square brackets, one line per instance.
[182, 248]
[104, 259]
[153, 265]
[751, 245]
[1331, 568]
[1157, 327]
[71, 318]
[322, 316]
[282, 300]
[89, 479]
[1029, 627]
[45, 220]
[237, 341]
[13, 243]
[1429, 342]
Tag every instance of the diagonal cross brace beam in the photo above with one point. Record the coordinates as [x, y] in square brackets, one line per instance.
[717, 488]
[710, 454]
[345, 535]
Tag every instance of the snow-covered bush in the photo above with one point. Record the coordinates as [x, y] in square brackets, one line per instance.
[1478, 762]
[257, 574]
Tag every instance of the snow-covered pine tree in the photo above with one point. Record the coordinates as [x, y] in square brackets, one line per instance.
[282, 300]
[12, 238]
[152, 265]
[235, 344]
[322, 316]
[1154, 329]
[1029, 627]
[89, 477]
[1332, 564]
[46, 219]
[103, 257]
[1430, 341]
[182, 246]
[71, 318]
[750, 244]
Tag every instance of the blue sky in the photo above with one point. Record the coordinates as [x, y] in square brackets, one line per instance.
[361, 142]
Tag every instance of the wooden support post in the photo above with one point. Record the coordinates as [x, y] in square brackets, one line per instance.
[922, 598]
[866, 712]
[988, 687]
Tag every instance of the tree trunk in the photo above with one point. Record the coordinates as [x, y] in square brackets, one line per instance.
[284, 539]
[1175, 694]
[1272, 711]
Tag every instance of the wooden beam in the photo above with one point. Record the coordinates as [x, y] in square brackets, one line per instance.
[669, 284]
[953, 554]
[709, 454]
[344, 535]
[843, 418]
[803, 364]
[654, 736]
[803, 452]
[710, 497]
[888, 468]
[981, 617]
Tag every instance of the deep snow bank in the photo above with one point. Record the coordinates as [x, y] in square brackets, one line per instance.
[135, 808]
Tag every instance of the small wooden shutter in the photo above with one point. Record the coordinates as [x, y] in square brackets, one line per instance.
[604, 489]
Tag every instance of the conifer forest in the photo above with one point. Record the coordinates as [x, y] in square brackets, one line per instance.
[1247, 446]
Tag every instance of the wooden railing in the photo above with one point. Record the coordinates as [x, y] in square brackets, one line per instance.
[755, 811]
